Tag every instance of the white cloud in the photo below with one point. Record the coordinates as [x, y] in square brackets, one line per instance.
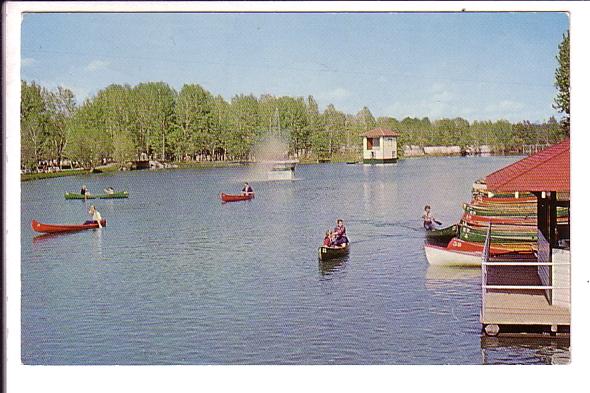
[96, 65]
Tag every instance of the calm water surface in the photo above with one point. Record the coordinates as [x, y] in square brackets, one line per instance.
[179, 278]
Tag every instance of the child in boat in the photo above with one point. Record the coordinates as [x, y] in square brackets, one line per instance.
[247, 190]
[328, 239]
[95, 215]
[340, 234]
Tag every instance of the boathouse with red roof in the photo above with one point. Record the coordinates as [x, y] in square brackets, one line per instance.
[380, 146]
[547, 175]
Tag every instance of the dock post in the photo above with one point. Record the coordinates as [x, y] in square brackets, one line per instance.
[492, 330]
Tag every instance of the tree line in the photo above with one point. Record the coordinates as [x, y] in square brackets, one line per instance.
[122, 123]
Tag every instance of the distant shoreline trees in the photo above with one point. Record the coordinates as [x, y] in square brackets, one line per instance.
[562, 82]
[122, 123]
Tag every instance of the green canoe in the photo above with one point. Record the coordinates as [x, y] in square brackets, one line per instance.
[443, 235]
[512, 212]
[479, 236]
[115, 195]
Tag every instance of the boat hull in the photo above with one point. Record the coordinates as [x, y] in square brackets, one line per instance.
[116, 195]
[495, 249]
[235, 198]
[441, 256]
[442, 235]
[327, 253]
[59, 228]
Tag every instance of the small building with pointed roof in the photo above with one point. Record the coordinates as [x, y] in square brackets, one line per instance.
[380, 146]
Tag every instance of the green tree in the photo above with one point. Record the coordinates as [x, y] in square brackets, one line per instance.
[61, 106]
[562, 82]
[154, 109]
[88, 142]
[244, 123]
[33, 123]
[317, 142]
[117, 117]
[194, 121]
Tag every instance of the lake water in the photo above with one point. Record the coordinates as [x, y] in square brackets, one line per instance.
[176, 277]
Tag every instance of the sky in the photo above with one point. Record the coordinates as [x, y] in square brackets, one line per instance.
[478, 66]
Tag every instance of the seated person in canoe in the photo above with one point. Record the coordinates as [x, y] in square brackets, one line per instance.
[84, 191]
[109, 190]
[327, 239]
[339, 234]
[95, 215]
[247, 190]
[429, 221]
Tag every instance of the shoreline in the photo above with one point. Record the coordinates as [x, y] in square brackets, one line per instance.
[209, 165]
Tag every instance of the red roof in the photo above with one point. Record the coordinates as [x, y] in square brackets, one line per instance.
[377, 132]
[548, 170]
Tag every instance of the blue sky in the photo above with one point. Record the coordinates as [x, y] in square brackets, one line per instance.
[475, 65]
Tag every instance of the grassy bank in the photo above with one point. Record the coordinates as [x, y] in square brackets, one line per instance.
[67, 172]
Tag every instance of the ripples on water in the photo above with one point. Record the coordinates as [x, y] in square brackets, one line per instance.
[179, 278]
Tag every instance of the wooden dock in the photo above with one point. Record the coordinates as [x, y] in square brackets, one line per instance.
[515, 298]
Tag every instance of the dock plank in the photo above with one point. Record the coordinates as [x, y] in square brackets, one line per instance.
[505, 308]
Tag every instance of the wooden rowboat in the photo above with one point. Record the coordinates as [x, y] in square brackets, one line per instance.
[115, 195]
[325, 253]
[235, 198]
[59, 228]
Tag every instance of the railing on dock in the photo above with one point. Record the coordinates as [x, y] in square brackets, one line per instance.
[543, 263]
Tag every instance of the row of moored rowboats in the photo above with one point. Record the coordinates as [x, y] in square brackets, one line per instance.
[513, 232]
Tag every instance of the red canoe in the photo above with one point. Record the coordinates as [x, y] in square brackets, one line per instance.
[235, 198]
[498, 249]
[56, 228]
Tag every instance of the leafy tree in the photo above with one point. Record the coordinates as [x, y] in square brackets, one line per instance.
[562, 82]
[88, 143]
[315, 129]
[335, 126]
[33, 123]
[194, 121]
[61, 106]
[244, 122]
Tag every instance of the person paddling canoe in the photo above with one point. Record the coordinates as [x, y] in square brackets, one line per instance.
[339, 234]
[429, 220]
[95, 215]
[247, 190]
[84, 191]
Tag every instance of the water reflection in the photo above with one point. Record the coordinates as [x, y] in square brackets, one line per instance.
[332, 266]
[438, 275]
[525, 350]
[97, 243]
[39, 239]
